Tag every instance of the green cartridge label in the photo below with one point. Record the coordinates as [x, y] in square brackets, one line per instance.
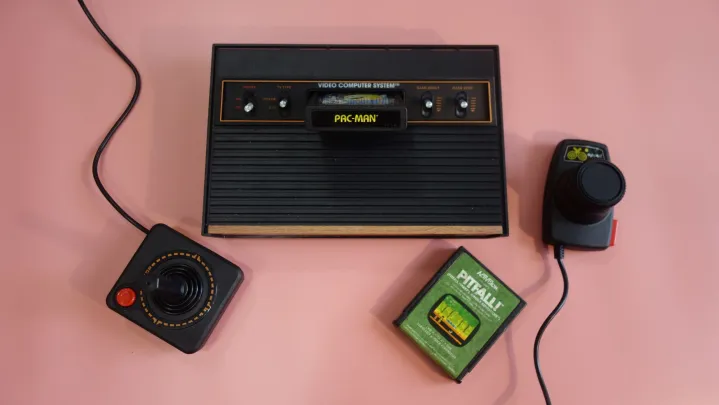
[458, 316]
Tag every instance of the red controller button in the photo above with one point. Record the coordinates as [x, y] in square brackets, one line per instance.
[125, 297]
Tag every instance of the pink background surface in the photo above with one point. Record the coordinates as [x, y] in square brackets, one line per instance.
[640, 326]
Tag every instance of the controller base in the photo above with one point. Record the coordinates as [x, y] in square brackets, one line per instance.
[205, 284]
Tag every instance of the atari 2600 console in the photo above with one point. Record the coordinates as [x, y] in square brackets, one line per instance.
[356, 141]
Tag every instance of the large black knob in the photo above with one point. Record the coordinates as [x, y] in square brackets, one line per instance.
[176, 290]
[585, 194]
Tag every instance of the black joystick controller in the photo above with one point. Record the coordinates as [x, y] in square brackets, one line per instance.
[582, 188]
[175, 288]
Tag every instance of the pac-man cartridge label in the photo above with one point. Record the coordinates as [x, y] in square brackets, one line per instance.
[331, 118]
[460, 314]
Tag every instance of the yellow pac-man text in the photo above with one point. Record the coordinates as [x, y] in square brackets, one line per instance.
[353, 118]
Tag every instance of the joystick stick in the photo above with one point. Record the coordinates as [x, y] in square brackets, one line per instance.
[582, 188]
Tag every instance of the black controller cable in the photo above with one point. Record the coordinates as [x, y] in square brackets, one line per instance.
[559, 255]
[120, 120]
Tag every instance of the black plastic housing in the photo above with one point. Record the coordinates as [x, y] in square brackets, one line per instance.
[188, 332]
[572, 215]
[271, 173]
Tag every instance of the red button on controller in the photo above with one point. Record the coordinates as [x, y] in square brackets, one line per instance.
[125, 297]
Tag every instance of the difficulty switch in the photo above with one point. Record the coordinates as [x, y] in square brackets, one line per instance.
[249, 104]
[461, 105]
[427, 104]
[283, 105]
